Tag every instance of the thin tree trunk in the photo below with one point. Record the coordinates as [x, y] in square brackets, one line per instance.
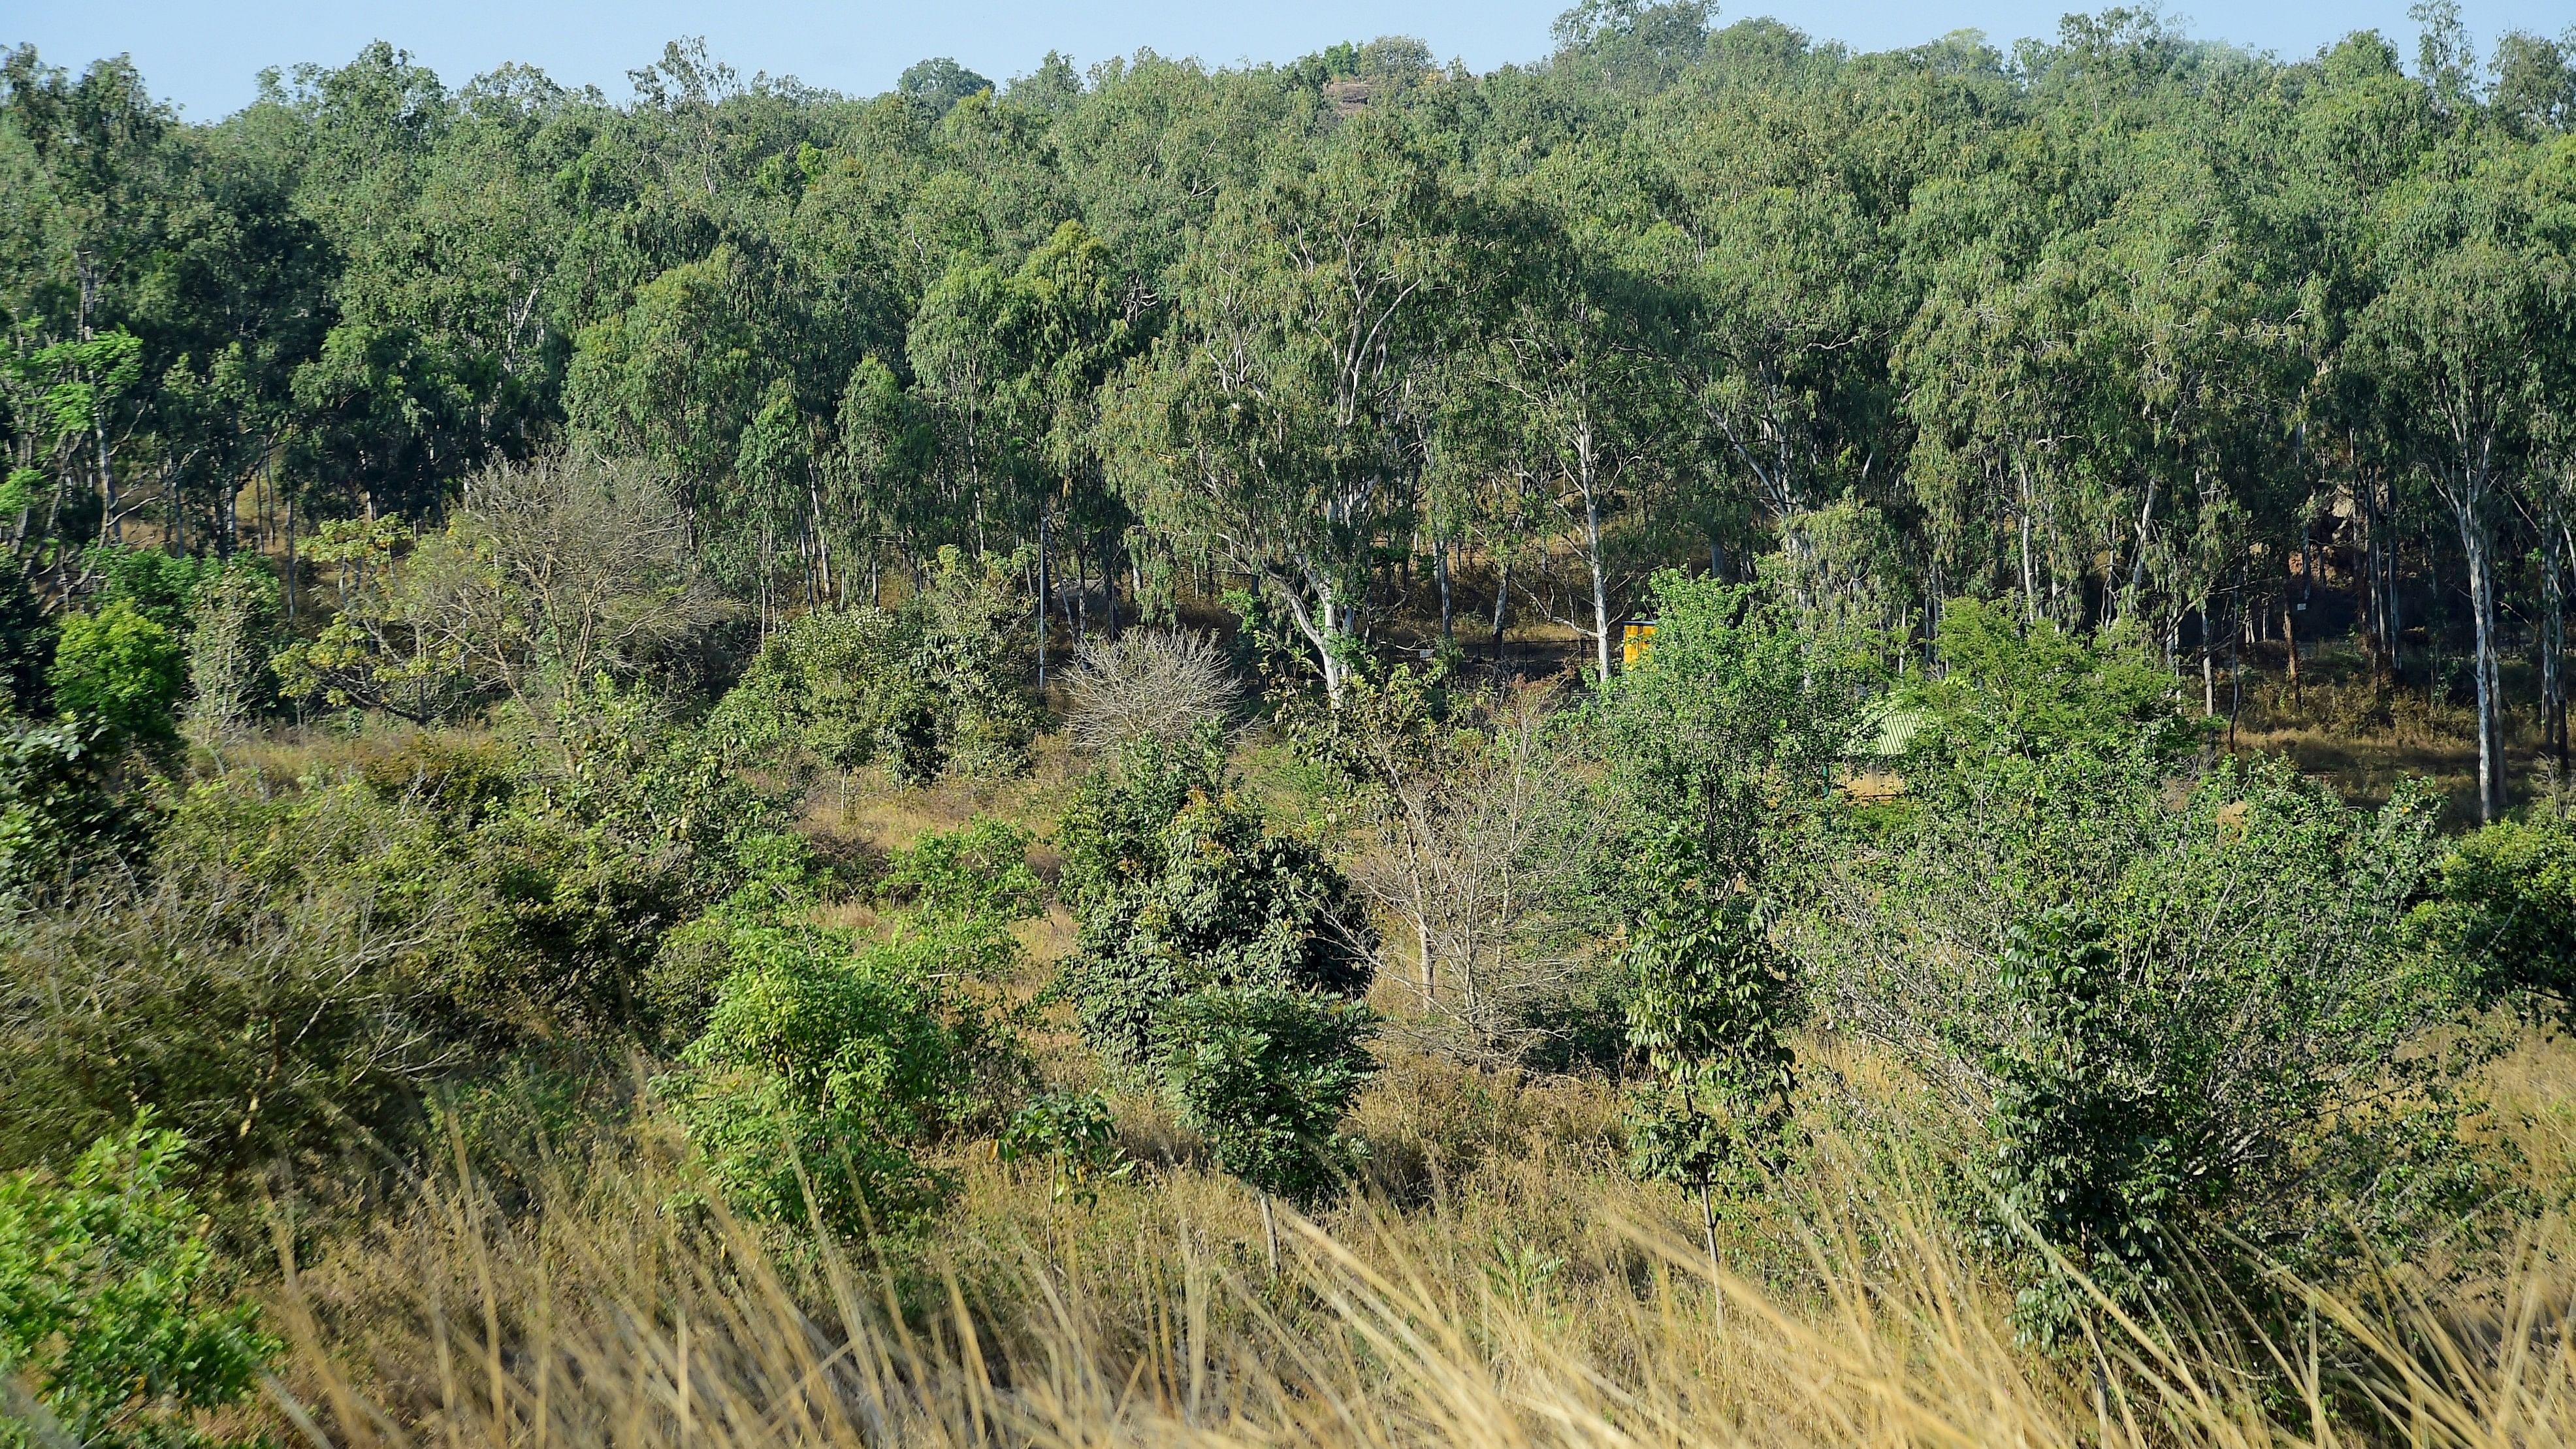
[1042, 599]
[1440, 564]
[2290, 641]
[2491, 762]
[1270, 1233]
[1600, 583]
[2553, 641]
[1716, 1265]
[1502, 598]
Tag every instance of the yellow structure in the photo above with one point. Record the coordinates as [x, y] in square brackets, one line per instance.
[1634, 635]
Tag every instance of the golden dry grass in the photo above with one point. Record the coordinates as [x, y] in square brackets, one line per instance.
[610, 1315]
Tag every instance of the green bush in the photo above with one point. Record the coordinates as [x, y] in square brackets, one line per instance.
[1708, 1009]
[63, 803]
[934, 687]
[108, 1314]
[269, 983]
[839, 686]
[1267, 1075]
[1180, 883]
[824, 1068]
[2505, 903]
[159, 585]
[121, 669]
[980, 870]
[1074, 1135]
[2180, 1017]
[1715, 750]
[2032, 689]
[291, 967]
[229, 626]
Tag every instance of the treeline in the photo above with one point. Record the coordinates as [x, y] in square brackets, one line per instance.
[2130, 329]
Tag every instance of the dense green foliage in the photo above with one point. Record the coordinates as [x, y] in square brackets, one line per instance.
[112, 1332]
[1267, 1074]
[1179, 884]
[930, 687]
[2506, 902]
[2176, 1022]
[121, 669]
[2117, 327]
[823, 1066]
[456, 534]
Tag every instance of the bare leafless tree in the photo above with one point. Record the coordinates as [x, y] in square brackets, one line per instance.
[549, 575]
[1150, 685]
[1467, 854]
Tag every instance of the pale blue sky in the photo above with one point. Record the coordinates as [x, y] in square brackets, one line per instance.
[205, 54]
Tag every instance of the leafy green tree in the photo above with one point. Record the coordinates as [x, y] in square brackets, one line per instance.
[1179, 883]
[1719, 744]
[2181, 1015]
[113, 1331]
[824, 1070]
[1585, 374]
[119, 668]
[2086, 1155]
[1269, 426]
[2468, 332]
[2009, 689]
[1267, 1074]
[938, 83]
[1709, 1006]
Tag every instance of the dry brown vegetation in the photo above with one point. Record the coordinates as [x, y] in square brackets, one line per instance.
[1503, 1285]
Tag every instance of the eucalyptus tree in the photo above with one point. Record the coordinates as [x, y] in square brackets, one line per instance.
[1267, 425]
[1067, 327]
[2469, 334]
[1580, 368]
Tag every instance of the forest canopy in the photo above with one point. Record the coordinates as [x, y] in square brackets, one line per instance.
[2131, 328]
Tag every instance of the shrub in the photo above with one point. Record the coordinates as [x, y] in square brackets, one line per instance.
[932, 688]
[62, 803]
[1267, 1075]
[268, 984]
[1148, 685]
[120, 669]
[1180, 883]
[839, 686]
[2176, 1022]
[1074, 1135]
[981, 870]
[159, 585]
[1715, 748]
[2010, 688]
[2504, 901]
[975, 651]
[107, 1312]
[823, 1069]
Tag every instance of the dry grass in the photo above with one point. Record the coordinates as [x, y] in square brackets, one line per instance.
[610, 1316]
